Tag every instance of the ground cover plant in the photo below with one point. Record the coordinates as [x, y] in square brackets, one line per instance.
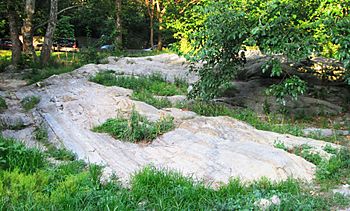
[135, 129]
[29, 182]
[30, 102]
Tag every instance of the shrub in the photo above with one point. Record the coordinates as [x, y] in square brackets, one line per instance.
[135, 129]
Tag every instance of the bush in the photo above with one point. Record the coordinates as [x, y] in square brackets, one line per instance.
[135, 129]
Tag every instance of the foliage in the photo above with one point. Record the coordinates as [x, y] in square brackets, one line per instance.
[135, 129]
[341, 37]
[219, 46]
[29, 102]
[64, 28]
[226, 27]
[3, 105]
[292, 87]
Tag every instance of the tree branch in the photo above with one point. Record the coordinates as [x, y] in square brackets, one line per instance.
[61, 11]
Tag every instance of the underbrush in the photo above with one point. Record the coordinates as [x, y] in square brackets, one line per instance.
[28, 182]
[135, 129]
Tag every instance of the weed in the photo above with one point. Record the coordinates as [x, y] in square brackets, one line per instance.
[30, 102]
[3, 105]
[305, 151]
[280, 145]
[336, 169]
[135, 129]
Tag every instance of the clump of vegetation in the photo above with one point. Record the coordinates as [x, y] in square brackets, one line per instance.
[3, 105]
[154, 84]
[336, 169]
[305, 151]
[135, 129]
[30, 102]
[14, 155]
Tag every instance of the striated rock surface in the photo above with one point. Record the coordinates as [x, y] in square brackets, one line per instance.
[211, 148]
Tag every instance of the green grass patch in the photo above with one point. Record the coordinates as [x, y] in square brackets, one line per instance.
[135, 129]
[154, 84]
[30, 102]
[3, 105]
[14, 155]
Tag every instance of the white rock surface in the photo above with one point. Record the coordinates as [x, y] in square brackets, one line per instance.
[210, 148]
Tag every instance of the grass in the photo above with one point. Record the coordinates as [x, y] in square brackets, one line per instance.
[135, 129]
[151, 99]
[3, 105]
[29, 102]
[154, 84]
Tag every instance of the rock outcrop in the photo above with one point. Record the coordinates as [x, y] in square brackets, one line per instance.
[211, 148]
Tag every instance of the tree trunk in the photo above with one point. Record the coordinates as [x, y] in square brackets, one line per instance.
[27, 29]
[150, 4]
[46, 51]
[14, 33]
[160, 13]
[118, 23]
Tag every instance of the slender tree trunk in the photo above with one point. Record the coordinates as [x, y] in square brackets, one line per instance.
[118, 23]
[27, 29]
[160, 13]
[14, 33]
[150, 4]
[46, 51]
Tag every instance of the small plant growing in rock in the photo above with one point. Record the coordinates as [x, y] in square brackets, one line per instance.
[3, 105]
[30, 102]
[135, 129]
[280, 145]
